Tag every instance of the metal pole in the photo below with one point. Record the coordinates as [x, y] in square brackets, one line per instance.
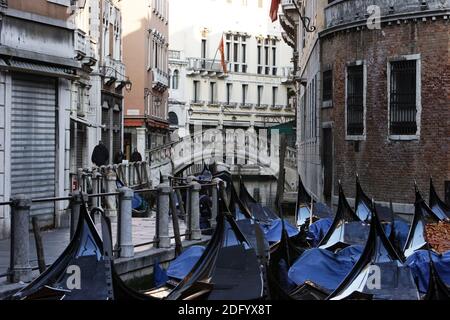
[162, 236]
[196, 233]
[125, 223]
[20, 268]
[75, 207]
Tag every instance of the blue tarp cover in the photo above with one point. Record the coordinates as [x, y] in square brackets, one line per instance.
[273, 232]
[419, 262]
[325, 268]
[401, 231]
[159, 275]
[181, 266]
[318, 230]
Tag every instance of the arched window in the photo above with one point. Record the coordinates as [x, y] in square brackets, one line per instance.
[173, 118]
[175, 79]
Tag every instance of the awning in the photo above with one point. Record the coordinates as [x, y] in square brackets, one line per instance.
[84, 122]
[37, 68]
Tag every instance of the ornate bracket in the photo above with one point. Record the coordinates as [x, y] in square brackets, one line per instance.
[305, 20]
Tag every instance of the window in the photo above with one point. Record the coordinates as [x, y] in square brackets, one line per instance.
[259, 59]
[236, 52]
[212, 92]
[260, 94]
[244, 94]
[327, 85]
[111, 40]
[175, 79]
[173, 118]
[203, 53]
[355, 100]
[403, 97]
[229, 92]
[274, 96]
[196, 90]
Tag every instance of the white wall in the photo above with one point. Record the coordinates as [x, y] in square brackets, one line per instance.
[187, 25]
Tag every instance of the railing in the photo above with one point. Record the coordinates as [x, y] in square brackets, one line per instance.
[4, 3]
[114, 68]
[160, 79]
[80, 44]
[185, 192]
[199, 64]
[173, 54]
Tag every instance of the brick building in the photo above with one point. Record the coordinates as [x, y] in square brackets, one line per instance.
[384, 97]
[390, 93]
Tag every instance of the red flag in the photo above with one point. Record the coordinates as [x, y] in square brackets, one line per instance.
[274, 10]
[222, 53]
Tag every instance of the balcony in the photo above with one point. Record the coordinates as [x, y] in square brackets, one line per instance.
[91, 55]
[80, 44]
[113, 71]
[261, 106]
[214, 104]
[247, 106]
[289, 8]
[3, 3]
[160, 80]
[287, 75]
[276, 107]
[205, 67]
[174, 55]
[230, 105]
[197, 103]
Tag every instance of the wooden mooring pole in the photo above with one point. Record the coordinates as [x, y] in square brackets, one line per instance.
[39, 245]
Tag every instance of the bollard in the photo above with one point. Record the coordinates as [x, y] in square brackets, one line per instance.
[162, 237]
[125, 230]
[75, 205]
[20, 268]
[111, 187]
[196, 233]
[215, 203]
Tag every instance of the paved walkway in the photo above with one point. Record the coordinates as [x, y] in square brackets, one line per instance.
[55, 241]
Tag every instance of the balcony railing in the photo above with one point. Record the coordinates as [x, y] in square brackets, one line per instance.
[209, 65]
[115, 69]
[262, 106]
[276, 107]
[247, 105]
[160, 80]
[3, 3]
[197, 103]
[173, 54]
[80, 44]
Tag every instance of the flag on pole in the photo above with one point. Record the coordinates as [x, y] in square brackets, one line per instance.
[222, 53]
[274, 10]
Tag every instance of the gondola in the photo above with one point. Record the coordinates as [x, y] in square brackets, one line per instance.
[84, 271]
[228, 269]
[304, 204]
[437, 205]
[372, 278]
[284, 253]
[362, 203]
[347, 229]
[259, 213]
[437, 289]
[423, 215]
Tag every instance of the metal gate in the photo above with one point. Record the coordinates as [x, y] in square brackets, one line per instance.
[33, 140]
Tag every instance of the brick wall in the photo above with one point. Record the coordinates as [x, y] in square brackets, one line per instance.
[387, 168]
